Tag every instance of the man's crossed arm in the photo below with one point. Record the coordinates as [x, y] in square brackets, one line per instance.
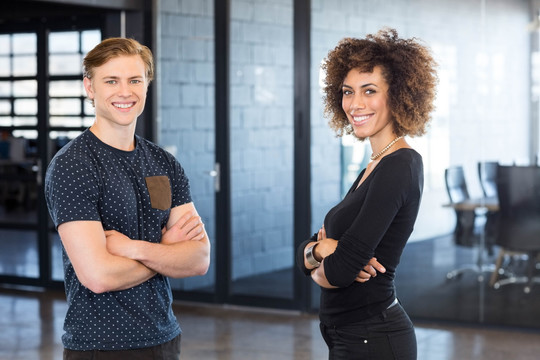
[109, 261]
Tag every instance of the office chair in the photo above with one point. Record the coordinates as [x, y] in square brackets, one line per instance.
[487, 174]
[518, 189]
[465, 232]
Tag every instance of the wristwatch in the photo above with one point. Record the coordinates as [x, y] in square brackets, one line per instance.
[310, 258]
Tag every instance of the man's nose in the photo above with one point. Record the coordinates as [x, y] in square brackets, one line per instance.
[124, 89]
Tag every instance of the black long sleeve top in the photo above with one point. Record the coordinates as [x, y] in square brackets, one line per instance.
[374, 219]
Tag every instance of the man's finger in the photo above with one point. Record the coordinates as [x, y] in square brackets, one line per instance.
[184, 219]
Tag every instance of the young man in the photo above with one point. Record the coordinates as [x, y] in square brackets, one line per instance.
[123, 210]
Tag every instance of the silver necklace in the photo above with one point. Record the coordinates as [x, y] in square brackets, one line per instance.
[378, 155]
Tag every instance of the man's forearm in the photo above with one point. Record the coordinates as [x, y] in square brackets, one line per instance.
[118, 273]
[98, 269]
[179, 260]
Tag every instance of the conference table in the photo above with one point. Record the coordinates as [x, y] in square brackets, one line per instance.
[486, 203]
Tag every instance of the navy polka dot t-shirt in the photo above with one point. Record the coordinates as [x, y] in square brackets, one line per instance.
[131, 192]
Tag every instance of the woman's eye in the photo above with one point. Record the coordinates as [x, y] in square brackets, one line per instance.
[347, 92]
[370, 91]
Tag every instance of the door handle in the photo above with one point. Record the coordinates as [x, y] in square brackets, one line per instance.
[37, 169]
[216, 174]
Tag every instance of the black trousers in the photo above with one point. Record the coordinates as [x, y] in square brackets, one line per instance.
[167, 351]
[388, 336]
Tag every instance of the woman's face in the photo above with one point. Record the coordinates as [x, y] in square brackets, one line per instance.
[365, 102]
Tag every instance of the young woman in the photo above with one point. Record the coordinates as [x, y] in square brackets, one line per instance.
[380, 88]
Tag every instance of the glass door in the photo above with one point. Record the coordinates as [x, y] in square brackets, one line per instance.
[186, 121]
[69, 112]
[42, 107]
[19, 161]
[262, 149]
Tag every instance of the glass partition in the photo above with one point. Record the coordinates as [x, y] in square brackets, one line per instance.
[261, 140]
[448, 264]
[185, 85]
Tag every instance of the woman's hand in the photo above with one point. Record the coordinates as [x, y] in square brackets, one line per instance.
[370, 270]
[327, 246]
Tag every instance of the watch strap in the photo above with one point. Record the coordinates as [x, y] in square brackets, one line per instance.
[311, 258]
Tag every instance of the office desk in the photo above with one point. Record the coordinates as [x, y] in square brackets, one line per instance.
[489, 204]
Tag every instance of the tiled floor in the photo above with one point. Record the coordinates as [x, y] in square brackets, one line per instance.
[31, 327]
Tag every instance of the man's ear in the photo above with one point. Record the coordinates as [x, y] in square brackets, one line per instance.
[88, 87]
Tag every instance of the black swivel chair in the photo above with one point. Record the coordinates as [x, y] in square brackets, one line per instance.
[518, 189]
[465, 232]
[487, 174]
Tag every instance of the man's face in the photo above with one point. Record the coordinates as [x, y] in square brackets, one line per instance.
[118, 89]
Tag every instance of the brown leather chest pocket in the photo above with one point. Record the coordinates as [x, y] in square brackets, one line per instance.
[159, 188]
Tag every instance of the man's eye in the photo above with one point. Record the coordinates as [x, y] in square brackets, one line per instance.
[112, 82]
[135, 81]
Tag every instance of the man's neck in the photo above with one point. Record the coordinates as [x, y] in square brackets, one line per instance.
[119, 137]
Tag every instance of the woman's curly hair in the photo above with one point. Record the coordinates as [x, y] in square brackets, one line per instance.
[408, 68]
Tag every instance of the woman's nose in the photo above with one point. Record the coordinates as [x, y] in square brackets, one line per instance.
[357, 103]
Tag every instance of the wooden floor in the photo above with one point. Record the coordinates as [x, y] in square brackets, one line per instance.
[31, 327]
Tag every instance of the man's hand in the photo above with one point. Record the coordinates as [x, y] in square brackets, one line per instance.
[117, 243]
[188, 227]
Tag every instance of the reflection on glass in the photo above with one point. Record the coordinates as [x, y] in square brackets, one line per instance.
[6, 121]
[56, 252]
[64, 42]
[5, 107]
[89, 39]
[60, 138]
[24, 121]
[71, 134]
[27, 134]
[66, 121]
[5, 66]
[25, 106]
[66, 88]
[18, 258]
[18, 179]
[24, 65]
[88, 121]
[24, 43]
[5, 88]
[65, 106]
[5, 48]
[88, 108]
[68, 64]
[262, 149]
[25, 88]
[354, 157]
